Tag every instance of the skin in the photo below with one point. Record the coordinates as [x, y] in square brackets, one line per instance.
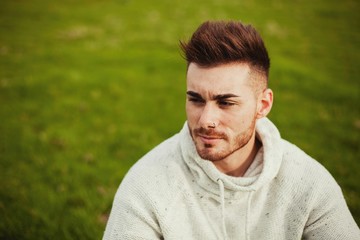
[226, 96]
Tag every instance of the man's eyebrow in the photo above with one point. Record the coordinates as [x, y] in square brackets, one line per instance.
[194, 94]
[215, 97]
[224, 96]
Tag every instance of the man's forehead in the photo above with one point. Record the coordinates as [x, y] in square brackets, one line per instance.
[222, 74]
[242, 65]
[219, 80]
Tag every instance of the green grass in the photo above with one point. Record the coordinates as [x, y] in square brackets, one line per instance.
[88, 87]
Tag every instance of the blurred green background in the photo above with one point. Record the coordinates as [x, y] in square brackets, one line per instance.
[87, 87]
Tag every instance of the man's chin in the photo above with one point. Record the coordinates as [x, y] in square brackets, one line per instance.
[210, 155]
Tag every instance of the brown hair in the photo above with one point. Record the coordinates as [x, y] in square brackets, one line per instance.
[219, 42]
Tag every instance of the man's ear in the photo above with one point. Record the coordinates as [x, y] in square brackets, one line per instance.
[265, 101]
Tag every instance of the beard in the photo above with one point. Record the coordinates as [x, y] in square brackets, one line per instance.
[226, 145]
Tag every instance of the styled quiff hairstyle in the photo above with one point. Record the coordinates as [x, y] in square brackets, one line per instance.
[218, 42]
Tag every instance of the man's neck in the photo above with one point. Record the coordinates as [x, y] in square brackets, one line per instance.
[238, 162]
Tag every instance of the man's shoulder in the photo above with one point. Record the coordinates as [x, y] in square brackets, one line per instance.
[303, 181]
[161, 155]
[295, 155]
[298, 165]
[158, 164]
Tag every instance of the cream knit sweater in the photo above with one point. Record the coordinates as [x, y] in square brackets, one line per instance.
[171, 193]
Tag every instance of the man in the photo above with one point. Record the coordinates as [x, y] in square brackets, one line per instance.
[228, 174]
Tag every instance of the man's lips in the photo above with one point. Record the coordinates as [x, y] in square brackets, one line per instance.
[209, 139]
[208, 136]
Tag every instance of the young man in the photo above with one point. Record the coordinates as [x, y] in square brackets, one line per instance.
[228, 174]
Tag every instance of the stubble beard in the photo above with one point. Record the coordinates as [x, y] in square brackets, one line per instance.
[209, 152]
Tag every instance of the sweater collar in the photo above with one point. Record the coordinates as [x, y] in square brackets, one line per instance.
[264, 168]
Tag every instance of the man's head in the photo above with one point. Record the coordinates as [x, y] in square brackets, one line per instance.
[227, 90]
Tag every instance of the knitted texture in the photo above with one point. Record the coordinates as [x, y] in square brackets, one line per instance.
[171, 193]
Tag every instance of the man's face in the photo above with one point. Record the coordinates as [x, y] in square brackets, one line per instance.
[220, 96]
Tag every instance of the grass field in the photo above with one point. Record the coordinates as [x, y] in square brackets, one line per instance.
[88, 87]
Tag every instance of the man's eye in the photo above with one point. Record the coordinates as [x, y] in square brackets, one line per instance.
[196, 100]
[225, 103]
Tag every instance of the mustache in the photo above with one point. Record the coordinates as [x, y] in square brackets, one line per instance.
[209, 132]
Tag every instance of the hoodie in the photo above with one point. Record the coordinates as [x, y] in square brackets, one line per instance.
[172, 193]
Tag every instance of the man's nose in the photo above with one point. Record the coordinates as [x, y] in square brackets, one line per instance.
[209, 116]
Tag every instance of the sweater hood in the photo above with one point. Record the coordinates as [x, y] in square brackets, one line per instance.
[264, 168]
